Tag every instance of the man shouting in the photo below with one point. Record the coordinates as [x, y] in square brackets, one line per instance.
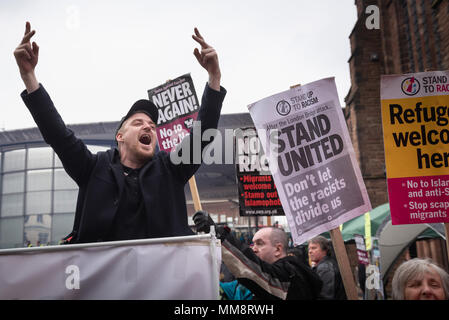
[134, 191]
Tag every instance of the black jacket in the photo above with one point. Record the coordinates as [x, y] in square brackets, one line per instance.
[101, 180]
[287, 278]
[327, 270]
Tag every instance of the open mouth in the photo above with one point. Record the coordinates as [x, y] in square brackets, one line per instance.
[145, 139]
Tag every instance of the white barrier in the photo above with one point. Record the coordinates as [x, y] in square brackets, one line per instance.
[175, 268]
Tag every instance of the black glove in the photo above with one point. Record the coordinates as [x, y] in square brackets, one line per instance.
[69, 239]
[222, 232]
[203, 221]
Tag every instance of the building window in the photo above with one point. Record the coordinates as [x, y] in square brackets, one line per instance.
[14, 160]
[43, 238]
[12, 205]
[38, 202]
[63, 180]
[39, 158]
[13, 182]
[58, 163]
[37, 229]
[64, 201]
[39, 180]
[62, 226]
[11, 232]
[37, 197]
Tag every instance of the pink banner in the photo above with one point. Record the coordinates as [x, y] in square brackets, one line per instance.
[419, 199]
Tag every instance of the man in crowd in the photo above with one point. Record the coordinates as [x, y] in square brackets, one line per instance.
[265, 269]
[326, 267]
[133, 191]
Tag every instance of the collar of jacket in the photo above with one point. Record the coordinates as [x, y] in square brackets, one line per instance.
[117, 168]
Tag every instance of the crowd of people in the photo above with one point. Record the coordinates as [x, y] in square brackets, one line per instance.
[269, 270]
[134, 191]
[266, 268]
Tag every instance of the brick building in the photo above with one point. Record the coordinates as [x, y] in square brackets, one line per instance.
[413, 37]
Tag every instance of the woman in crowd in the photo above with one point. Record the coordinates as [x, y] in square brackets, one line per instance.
[420, 279]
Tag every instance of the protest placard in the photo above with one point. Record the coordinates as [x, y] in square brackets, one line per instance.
[362, 254]
[258, 195]
[313, 163]
[415, 117]
[178, 108]
[311, 158]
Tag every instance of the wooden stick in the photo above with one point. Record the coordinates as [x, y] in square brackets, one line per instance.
[343, 264]
[195, 195]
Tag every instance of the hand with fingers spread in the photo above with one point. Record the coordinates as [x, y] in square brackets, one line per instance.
[27, 55]
[208, 59]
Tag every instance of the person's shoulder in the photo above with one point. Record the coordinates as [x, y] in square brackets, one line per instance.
[108, 155]
[329, 259]
[289, 259]
[306, 284]
[297, 263]
[325, 264]
[161, 156]
[292, 263]
[161, 159]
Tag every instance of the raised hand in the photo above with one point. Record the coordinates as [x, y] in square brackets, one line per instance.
[27, 55]
[208, 59]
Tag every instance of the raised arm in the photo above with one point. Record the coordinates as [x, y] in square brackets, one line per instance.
[187, 157]
[27, 55]
[78, 161]
[208, 59]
